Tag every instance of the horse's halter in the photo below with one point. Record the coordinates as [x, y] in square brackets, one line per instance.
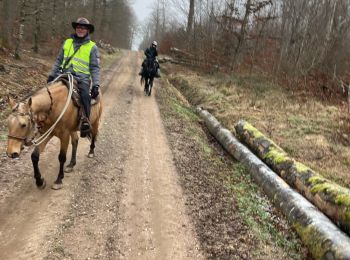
[27, 140]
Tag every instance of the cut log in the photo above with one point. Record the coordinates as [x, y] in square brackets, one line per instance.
[165, 59]
[320, 235]
[331, 198]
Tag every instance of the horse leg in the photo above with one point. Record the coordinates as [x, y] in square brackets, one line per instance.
[58, 184]
[150, 86]
[39, 181]
[145, 89]
[73, 160]
[94, 131]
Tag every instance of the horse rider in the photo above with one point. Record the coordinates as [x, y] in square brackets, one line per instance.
[80, 56]
[151, 53]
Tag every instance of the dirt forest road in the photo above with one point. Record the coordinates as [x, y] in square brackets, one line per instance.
[126, 203]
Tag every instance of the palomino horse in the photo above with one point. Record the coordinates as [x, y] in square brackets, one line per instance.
[38, 114]
[148, 76]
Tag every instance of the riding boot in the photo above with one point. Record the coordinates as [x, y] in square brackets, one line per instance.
[158, 73]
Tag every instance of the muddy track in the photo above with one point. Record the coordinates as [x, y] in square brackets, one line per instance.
[125, 203]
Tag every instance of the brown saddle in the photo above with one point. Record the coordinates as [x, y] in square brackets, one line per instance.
[76, 101]
[76, 95]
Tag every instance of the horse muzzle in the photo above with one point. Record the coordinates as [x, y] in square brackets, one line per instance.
[13, 155]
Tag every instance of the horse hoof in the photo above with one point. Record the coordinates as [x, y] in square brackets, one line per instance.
[91, 155]
[42, 185]
[57, 186]
[68, 169]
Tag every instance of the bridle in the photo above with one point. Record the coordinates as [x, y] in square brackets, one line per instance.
[45, 135]
[25, 139]
[15, 112]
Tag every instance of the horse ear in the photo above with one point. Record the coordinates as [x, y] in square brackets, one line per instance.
[12, 102]
[29, 102]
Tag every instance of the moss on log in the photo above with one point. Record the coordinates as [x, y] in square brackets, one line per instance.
[329, 197]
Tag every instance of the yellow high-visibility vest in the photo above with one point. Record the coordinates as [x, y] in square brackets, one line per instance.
[80, 60]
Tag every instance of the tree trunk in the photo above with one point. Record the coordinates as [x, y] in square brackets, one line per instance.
[190, 19]
[242, 35]
[330, 198]
[39, 9]
[157, 22]
[53, 19]
[103, 20]
[94, 12]
[20, 29]
[5, 32]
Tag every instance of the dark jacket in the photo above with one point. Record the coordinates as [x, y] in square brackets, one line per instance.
[151, 53]
[94, 63]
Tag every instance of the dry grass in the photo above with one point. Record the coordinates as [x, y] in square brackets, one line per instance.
[310, 130]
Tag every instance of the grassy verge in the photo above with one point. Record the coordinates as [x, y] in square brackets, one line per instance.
[236, 194]
[259, 215]
[313, 132]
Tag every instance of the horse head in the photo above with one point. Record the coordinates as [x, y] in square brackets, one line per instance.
[21, 128]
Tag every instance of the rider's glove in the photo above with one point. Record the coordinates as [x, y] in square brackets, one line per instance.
[94, 91]
[50, 78]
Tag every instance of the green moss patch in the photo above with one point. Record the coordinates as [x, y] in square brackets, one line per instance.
[184, 111]
[301, 168]
[312, 238]
[277, 156]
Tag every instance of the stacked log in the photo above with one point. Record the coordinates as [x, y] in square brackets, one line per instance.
[165, 59]
[323, 238]
[106, 46]
[331, 198]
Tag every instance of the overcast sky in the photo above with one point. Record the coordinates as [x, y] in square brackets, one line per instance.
[142, 10]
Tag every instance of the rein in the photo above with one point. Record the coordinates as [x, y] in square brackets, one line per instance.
[44, 136]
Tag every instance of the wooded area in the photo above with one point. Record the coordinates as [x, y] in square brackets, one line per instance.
[304, 41]
[39, 23]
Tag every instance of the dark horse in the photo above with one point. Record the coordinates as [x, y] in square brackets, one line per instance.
[148, 75]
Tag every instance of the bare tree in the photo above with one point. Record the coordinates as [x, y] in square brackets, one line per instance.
[5, 28]
[37, 31]
[190, 19]
[22, 16]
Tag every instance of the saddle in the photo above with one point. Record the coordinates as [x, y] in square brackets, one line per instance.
[76, 93]
[83, 121]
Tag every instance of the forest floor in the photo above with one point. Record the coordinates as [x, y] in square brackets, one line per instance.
[160, 187]
[310, 129]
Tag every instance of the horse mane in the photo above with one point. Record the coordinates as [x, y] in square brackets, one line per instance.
[41, 100]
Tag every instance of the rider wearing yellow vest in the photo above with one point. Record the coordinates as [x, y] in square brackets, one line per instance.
[79, 56]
